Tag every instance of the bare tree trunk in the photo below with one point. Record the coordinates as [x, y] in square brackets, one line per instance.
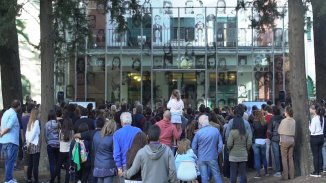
[319, 19]
[298, 87]
[47, 68]
[9, 60]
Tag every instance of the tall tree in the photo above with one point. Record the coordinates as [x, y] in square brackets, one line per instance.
[298, 86]
[9, 53]
[319, 27]
[47, 65]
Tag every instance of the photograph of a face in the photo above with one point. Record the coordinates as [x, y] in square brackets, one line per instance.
[200, 62]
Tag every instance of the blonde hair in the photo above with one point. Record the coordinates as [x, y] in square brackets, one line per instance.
[32, 118]
[184, 146]
[258, 116]
[176, 94]
[108, 128]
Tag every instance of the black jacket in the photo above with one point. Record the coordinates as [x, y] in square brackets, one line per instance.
[273, 127]
[259, 130]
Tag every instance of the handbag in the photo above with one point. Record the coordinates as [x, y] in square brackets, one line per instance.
[187, 171]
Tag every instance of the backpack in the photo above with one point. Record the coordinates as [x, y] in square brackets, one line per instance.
[82, 151]
[187, 171]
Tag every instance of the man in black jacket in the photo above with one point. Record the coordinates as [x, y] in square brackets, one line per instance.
[275, 138]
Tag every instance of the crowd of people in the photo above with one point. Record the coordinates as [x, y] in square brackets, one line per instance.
[170, 144]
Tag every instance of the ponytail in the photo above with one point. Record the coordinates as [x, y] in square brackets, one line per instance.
[321, 113]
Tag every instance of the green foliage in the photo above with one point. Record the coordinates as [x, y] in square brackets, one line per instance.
[8, 11]
[20, 25]
[118, 10]
[310, 87]
[265, 13]
[70, 28]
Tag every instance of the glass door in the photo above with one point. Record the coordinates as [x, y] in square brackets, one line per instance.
[190, 84]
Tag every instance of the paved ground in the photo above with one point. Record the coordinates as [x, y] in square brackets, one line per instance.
[44, 176]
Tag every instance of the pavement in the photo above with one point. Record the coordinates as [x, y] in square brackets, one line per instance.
[44, 177]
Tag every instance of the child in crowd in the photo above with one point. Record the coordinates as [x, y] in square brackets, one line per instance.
[185, 153]
[84, 163]
[176, 106]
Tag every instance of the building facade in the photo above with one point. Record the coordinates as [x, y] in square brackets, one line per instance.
[206, 49]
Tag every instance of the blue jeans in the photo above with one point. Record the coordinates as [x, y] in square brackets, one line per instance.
[260, 157]
[212, 165]
[324, 154]
[10, 151]
[277, 157]
[53, 155]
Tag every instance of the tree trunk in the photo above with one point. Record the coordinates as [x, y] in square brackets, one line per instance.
[319, 26]
[47, 68]
[9, 60]
[298, 87]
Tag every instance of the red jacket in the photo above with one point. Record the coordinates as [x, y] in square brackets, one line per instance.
[169, 132]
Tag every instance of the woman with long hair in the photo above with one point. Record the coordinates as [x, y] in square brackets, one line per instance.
[316, 128]
[33, 145]
[259, 142]
[66, 134]
[176, 106]
[85, 167]
[104, 164]
[287, 133]
[52, 140]
[140, 140]
[238, 143]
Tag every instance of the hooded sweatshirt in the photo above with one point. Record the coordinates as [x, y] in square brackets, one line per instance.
[168, 132]
[156, 162]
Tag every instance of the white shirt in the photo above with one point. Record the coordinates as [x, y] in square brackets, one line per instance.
[64, 146]
[175, 106]
[315, 127]
[260, 141]
[33, 135]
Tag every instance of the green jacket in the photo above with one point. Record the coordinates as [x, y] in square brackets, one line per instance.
[238, 146]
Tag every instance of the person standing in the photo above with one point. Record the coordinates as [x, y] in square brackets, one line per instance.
[52, 140]
[10, 139]
[88, 136]
[25, 119]
[155, 161]
[275, 139]
[238, 143]
[122, 141]
[176, 106]
[287, 133]
[316, 128]
[139, 142]
[169, 132]
[259, 147]
[104, 165]
[33, 145]
[138, 119]
[207, 145]
[268, 117]
[66, 134]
